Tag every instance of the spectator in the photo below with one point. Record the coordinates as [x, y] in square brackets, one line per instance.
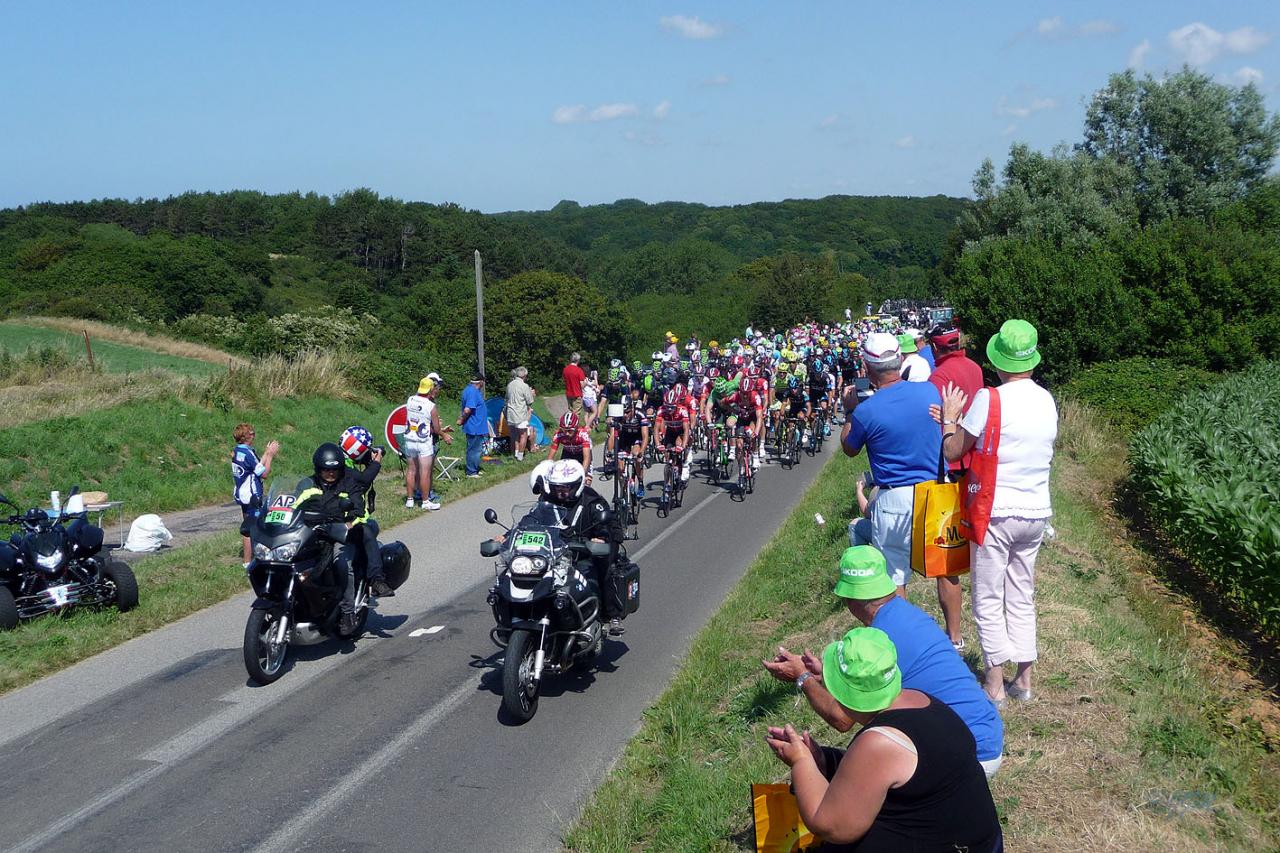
[1003, 566]
[952, 365]
[914, 367]
[247, 471]
[922, 346]
[590, 396]
[419, 443]
[860, 526]
[573, 379]
[520, 399]
[474, 421]
[928, 661]
[909, 781]
[903, 446]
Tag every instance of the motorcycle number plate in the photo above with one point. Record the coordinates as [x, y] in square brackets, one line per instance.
[531, 541]
[58, 594]
[279, 516]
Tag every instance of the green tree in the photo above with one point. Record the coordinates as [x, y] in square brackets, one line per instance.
[787, 289]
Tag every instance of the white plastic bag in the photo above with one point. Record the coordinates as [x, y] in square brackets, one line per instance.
[147, 533]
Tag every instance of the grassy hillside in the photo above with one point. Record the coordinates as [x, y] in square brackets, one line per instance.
[111, 357]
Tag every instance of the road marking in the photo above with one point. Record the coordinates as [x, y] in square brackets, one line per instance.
[289, 836]
[434, 629]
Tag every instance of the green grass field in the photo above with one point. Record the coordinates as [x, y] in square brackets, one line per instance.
[114, 358]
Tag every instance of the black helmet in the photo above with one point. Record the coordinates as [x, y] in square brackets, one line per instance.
[328, 457]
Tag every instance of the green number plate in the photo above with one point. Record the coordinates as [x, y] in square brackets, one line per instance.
[531, 541]
[279, 516]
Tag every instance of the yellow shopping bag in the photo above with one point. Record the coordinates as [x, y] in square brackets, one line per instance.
[938, 545]
[777, 821]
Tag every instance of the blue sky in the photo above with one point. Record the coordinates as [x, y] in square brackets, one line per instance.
[501, 106]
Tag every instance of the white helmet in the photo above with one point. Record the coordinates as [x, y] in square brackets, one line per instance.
[565, 481]
[537, 477]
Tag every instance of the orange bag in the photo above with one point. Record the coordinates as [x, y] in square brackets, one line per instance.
[778, 827]
[938, 544]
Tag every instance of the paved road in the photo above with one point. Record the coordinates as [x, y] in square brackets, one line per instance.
[394, 743]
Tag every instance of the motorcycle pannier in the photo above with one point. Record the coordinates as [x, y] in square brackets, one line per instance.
[395, 563]
[624, 587]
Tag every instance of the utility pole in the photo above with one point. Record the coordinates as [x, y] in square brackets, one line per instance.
[479, 313]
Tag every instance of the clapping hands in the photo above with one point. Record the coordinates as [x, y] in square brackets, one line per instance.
[791, 746]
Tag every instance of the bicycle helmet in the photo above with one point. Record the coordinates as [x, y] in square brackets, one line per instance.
[565, 481]
[615, 363]
[673, 398]
[356, 442]
[569, 422]
[328, 459]
[713, 373]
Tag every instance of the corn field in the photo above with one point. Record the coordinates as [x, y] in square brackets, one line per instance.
[1208, 471]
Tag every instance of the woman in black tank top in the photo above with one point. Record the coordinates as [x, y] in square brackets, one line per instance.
[910, 781]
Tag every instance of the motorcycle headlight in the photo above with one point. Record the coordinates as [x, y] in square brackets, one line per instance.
[50, 561]
[523, 566]
[286, 552]
[261, 552]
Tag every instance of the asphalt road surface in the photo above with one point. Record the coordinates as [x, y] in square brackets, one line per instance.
[392, 743]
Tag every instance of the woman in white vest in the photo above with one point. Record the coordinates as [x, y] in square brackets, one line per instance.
[419, 446]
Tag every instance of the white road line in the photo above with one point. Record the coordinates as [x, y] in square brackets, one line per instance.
[289, 836]
[420, 632]
[676, 525]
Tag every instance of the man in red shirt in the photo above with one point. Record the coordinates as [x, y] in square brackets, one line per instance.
[573, 379]
[953, 367]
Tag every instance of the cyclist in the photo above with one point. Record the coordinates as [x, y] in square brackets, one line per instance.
[672, 428]
[818, 391]
[573, 441]
[631, 436]
[744, 412]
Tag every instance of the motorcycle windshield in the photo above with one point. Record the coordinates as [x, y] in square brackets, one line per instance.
[538, 529]
[280, 509]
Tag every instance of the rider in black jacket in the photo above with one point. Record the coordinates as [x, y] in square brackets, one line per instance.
[564, 483]
[336, 494]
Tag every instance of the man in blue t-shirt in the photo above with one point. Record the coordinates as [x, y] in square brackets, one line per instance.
[474, 421]
[926, 657]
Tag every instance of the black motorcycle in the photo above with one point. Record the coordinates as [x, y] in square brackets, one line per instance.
[299, 591]
[546, 601]
[54, 562]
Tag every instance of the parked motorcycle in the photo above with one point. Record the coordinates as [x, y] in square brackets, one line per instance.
[54, 562]
[546, 601]
[293, 574]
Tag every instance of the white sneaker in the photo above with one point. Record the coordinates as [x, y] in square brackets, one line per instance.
[408, 503]
[685, 472]
[733, 454]
[519, 456]
[430, 505]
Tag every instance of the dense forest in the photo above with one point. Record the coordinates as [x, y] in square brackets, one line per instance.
[257, 273]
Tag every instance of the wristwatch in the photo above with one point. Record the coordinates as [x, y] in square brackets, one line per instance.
[801, 680]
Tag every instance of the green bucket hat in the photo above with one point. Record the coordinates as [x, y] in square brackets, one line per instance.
[1013, 348]
[861, 670]
[863, 575]
[907, 344]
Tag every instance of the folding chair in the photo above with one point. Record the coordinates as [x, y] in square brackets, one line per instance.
[444, 466]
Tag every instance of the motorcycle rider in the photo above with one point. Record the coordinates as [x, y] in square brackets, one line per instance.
[357, 445]
[324, 494]
[563, 483]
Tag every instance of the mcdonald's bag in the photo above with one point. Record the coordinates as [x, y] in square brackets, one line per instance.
[938, 544]
[979, 485]
[778, 827]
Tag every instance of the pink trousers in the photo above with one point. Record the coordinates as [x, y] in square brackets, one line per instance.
[1003, 589]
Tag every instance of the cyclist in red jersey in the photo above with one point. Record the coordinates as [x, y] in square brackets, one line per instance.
[747, 406]
[574, 442]
[673, 425]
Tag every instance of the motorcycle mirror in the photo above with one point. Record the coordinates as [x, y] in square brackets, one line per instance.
[490, 548]
[491, 515]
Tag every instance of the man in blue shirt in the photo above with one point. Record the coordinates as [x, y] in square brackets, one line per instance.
[474, 421]
[928, 661]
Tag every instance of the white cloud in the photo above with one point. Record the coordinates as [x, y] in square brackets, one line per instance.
[662, 110]
[690, 26]
[1010, 130]
[1057, 28]
[1247, 75]
[718, 80]
[1138, 55]
[575, 113]
[829, 122]
[907, 141]
[1004, 108]
[1199, 44]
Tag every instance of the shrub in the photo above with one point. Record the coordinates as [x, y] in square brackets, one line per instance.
[394, 373]
[1209, 472]
[1132, 392]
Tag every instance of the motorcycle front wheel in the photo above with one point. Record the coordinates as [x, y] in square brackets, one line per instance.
[263, 656]
[519, 690]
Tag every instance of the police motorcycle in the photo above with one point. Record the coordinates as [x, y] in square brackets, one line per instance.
[54, 562]
[545, 598]
[293, 574]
